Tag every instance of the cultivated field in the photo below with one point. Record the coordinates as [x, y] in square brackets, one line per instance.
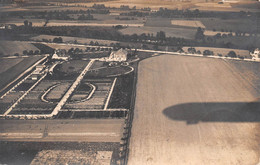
[12, 47]
[194, 110]
[187, 23]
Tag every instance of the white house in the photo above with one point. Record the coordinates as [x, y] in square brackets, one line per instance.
[60, 54]
[120, 56]
[256, 55]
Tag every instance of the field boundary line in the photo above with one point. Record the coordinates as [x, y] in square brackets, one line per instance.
[71, 89]
[21, 75]
[110, 93]
[28, 91]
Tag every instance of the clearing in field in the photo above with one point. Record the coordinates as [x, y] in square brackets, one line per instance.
[187, 23]
[194, 110]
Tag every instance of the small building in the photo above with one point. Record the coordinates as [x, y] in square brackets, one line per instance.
[120, 56]
[39, 70]
[256, 55]
[60, 54]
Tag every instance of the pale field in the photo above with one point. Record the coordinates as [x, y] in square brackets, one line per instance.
[234, 6]
[153, 4]
[65, 46]
[88, 130]
[169, 31]
[213, 33]
[188, 23]
[223, 51]
[72, 39]
[12, 47]
[167, 83]
[20, 22]
[105, 23]
[173, 4]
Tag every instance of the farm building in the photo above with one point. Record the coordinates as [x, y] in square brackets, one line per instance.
[256, 55]
[120, 55]
[60, 54]
[37, 72]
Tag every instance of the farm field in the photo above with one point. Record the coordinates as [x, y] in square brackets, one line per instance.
[156, 4]
[10, 74]
[241, 25]
[242, 42]
[223, 51]
[187, 23]
[91, 130]
[7, 47]
[198, 112]
[19, 22]
[72, 39]
[234, 6]
[7, 63]
[169, 31]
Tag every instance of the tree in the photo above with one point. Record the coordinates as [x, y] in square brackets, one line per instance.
[232, 54]
[199, 34]
[36, 52]
[25, 52]
[192, 50]
[30, 52]
[26, 23]
[30, 24]
[207, 52]
[57, 40]
[161, 35]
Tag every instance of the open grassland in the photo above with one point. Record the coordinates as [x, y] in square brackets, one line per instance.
[10, 74]
[193, 110]
[222, 51]
[170, 32]
[12, 47]
[187, 23]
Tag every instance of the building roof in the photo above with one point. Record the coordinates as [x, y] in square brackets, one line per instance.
[120, 52]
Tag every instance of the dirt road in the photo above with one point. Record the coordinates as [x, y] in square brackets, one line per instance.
[194, 110]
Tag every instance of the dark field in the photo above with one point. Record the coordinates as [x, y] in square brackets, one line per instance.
[23, 153]
[12, 73]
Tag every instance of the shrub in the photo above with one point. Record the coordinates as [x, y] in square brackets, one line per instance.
[207, 52]
[232, 54]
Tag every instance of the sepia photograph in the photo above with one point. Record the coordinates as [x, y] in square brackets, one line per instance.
[129, 82]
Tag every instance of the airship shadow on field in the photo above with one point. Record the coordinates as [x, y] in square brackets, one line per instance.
[193, 113]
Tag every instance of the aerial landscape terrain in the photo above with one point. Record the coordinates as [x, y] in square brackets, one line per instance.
[116, 82]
